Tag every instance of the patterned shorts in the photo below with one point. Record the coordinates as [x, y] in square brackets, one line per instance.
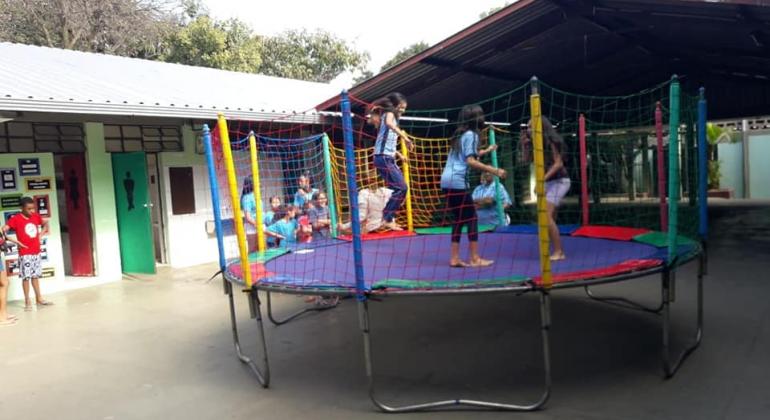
[30, 266]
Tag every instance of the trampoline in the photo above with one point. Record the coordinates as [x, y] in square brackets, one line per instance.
[410, 270]
[616, 232]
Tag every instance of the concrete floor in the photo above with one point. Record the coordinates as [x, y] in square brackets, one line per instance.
[160, 348]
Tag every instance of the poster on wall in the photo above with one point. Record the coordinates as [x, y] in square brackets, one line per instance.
[7, 179]
[10, 201]
[44, 249]
[12, 266]
[43, 205]
[12, 250]
[48, 272]
[38, 184]
[29, 167]
[8, 216]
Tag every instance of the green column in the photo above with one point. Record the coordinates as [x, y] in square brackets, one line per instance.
[673, 168]
[498, 194]
[330, 185]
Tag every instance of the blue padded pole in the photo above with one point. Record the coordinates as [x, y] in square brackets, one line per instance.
[702, 167]
[350, 167]
[214, 194]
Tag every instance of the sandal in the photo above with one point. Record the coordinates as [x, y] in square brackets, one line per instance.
[481, 263]
[27, 308]
[8, 322]
[459, 264]
[45, 303]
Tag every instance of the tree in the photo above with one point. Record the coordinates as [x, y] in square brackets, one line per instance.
[493, 10]
[134, 28]
[226, 45]
[405, 53]
[316, 56]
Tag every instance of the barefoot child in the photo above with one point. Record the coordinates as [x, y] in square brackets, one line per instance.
[29, 227]
[464, 153]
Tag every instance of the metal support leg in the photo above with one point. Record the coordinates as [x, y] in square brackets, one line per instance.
[263, 375]
[322, 306]
[623, 302]
[671, 367]
[545, 324]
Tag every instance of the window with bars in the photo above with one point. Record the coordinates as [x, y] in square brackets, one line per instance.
[28, 137]
[137, 138]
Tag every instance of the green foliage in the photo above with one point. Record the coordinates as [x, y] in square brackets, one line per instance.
[405, 53]
[493, 10]
[714, 174]
[317, 56]
[179, 31]
[227, 45]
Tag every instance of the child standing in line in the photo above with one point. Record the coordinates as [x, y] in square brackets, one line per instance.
[29, 227]
[385, 152]
[285, 226]
[464, 153]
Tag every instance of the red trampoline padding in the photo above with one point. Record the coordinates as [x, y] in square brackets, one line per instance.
[258, 271]
[609, 232]
[373, 236]
[613, 270]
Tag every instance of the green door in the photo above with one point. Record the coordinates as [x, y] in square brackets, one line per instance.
[137, 253]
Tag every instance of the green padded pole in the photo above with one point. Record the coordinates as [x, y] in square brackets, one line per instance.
[673, 168]
[330, 185]
[498, 194]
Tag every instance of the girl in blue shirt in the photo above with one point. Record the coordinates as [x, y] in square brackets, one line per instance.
[385, 152]
[454, 181]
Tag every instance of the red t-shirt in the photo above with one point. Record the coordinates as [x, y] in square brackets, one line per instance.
[27, 232]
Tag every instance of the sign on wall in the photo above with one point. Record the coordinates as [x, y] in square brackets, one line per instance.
[43, 205]
[29, 167]
[12, 266]
[38, 184]
[10, 201]
[8, 179]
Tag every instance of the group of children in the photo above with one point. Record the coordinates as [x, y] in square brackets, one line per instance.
[305, 220]
[463, 156]
[28, 227]
[308, 217]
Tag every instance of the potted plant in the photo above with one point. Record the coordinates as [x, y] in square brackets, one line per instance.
[716, 135]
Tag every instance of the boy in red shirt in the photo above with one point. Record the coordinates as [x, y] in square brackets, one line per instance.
[27, 225]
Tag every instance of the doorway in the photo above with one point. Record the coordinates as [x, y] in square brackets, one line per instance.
[75, 214]
[134, 211]
[156, 208]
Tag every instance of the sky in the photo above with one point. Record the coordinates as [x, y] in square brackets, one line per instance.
[382, 28]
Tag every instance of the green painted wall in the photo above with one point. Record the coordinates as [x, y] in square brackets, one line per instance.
[759, 170]
[102, 195]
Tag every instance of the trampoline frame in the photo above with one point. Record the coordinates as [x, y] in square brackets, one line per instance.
[668, 296]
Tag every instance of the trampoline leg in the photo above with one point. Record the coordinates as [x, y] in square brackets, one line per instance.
[545, 325]
[263, 376]
[322, 306]
[671, 367]
[623, 302]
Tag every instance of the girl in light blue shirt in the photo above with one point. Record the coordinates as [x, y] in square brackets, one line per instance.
[463, 155]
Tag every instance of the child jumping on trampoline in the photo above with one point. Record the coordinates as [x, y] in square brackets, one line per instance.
[557, 182]
[464, 153]
[386, 151]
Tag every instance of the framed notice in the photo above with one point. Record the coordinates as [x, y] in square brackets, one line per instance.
[38, 184]
[10, 201]
[8, 179]
[13, 250]
[48, 272]
[29, 167]
[43, 205]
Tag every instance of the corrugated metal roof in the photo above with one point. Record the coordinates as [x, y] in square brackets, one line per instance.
[54, 80]
[595, 47]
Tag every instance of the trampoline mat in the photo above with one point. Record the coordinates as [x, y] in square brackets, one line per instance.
[422, 262]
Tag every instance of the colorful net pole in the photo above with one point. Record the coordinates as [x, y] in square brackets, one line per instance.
[350, 168]
[673, 168]
[702, 170]
[261, 241]
[232, 184]
[661, 167]
[542, 211]
[329, 185]
[583, 169]
[498, 195]
[405, 170]
[214, 195]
